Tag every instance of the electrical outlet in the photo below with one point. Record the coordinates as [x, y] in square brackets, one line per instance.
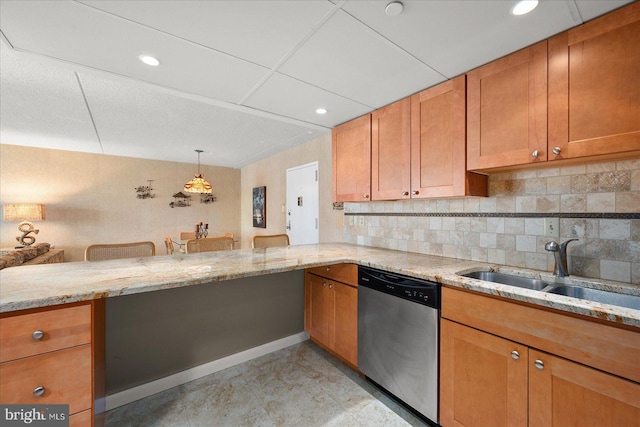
[552, 227]
[361, 221]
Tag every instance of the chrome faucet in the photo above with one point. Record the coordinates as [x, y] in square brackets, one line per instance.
[560, 254]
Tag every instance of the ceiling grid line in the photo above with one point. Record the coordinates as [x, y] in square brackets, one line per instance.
[86, 102]
[293, 50]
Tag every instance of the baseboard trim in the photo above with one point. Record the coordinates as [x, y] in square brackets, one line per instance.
[153, 387]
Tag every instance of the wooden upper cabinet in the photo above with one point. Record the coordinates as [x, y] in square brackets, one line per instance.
[438, 143]
[391, 151]
[352, 160]
[507, 110]
[594, 89]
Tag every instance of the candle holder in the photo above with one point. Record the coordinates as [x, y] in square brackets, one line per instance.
[202, 230]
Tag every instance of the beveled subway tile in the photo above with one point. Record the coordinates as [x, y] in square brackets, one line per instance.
[573, 203]
[601, 167]
[615, 229]
[615, 270]
[614, 181]
[549, 203]
[601, 202]
[559, 185]
[628, 202]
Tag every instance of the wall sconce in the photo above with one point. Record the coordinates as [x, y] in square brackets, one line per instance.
[25, 212]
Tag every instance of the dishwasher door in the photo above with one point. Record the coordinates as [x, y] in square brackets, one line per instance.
[398, 348]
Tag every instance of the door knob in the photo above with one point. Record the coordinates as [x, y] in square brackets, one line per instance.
[539, 364]
[557, 150]
[535, 154]
[515, 355]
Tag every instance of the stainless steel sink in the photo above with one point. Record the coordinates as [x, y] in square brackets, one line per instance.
[508, 279]
[596, 295]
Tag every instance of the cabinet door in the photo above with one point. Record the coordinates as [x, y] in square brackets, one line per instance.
[438, 143]
[352, 160]
[507, 110]
[565, 393]
[594, 94]
[317, 301]
[482, 382]
[391, 151]
[344, 327]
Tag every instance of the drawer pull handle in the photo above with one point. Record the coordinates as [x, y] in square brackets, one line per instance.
[38, 391]
[37, 335]
[539, 364]
[515, 355]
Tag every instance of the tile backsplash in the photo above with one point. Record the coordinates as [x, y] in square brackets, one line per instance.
[598, 203]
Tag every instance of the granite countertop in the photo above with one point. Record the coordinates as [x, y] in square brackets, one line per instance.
[45, 285]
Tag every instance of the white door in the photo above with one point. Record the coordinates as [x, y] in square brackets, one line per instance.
[302, 204]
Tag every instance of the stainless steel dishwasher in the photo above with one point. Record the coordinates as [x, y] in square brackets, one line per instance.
[398, 337]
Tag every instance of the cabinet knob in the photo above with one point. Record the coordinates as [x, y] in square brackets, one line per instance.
[539, 364]
[38, 391]
[324, 283]
[37, 335]
[415, 192]
[331, 286]
[557, 150]
[365, 196]
[515, 355]
[405, 193]
[328, 268]
[535, 154]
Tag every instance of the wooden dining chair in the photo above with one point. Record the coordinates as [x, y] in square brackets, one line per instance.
[169, 245]
[187, 235]
[103, 252]
[269, 241]
[209, 244]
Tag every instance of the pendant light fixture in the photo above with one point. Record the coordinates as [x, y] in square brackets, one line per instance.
[198, 184]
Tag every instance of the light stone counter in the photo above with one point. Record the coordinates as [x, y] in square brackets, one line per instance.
[45, 285]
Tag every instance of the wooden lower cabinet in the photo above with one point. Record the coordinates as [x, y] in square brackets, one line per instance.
[331, 316]
[505, 363]
[564, 393]
[481, 383]
[54, 355]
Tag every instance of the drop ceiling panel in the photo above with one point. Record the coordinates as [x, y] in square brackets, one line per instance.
[258, 31]
[292, 98]
[42, 106]
[348, 58]
[454, 37]
[80, 34]
[590, 9]
[169, 127]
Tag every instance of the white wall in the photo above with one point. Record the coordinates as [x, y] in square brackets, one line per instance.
[272, 173]
[91, 198]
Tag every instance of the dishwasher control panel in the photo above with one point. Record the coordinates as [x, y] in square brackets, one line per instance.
[417, 290]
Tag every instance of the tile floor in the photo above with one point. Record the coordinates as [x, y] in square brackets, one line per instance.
[301, 385]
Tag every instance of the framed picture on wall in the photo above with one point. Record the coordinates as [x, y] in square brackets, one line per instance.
[260, 207]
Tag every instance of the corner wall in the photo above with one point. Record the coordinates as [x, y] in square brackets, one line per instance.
[91, 198]
[272, 173]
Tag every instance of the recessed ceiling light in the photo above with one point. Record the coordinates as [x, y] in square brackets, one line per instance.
[149, 60]
[394, 8]
[321, 111]
[523, 7]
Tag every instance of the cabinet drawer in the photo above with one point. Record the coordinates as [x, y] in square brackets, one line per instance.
[345, 273]
[64, 374]
[595, 344]
[61, 328]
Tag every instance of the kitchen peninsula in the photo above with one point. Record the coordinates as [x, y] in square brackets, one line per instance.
[32, 289]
